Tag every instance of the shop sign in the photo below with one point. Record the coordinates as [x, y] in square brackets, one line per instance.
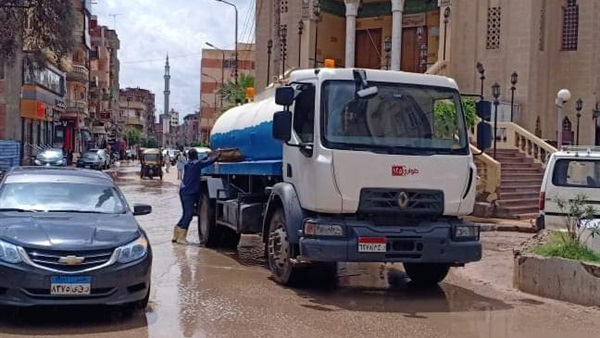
[60, 103]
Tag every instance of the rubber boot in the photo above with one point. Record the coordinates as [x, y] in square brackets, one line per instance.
[181, 236]
[174, 234]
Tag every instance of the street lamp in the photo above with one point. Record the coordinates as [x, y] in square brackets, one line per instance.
[222, 67]
[481, 71]
[578, 107]
[300, 29]
[235, 67]
[496, 95]
[562, 97]
[513, 80]
[269, 47]
[388, 49]
[446, 20]
[317, 14]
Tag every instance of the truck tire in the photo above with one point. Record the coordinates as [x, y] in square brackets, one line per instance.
[231, 239]
[208, 231]
[426, 274]
[280, 251]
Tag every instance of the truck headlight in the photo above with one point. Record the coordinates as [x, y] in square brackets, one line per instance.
[133, 251]
[466, 232]
[315, 229]
[59, 162]
[9, 253]
[37, 162]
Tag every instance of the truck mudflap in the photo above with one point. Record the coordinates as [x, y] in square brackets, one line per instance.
[432, 243]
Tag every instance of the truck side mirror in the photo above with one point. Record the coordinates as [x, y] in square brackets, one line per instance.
[282, 125]
[484, 110]
[484, 135]
[284, 96]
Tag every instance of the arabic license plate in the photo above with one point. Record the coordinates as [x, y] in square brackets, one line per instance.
[371, 244]
[87, 166]
[70, 286]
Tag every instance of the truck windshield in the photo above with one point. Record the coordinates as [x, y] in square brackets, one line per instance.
[402, 118]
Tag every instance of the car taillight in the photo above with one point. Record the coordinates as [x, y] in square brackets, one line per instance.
[542, 201]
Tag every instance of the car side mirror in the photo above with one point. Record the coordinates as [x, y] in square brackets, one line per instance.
[282, 125]
[141, 209]
[284, 96]
[484, 135]
[484, 110]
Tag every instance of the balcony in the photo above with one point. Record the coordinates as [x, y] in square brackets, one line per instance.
[105, 116]
[77, 107]
[134, 121]
[79, 73]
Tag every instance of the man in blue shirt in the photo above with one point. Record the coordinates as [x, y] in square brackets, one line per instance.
[189, 192]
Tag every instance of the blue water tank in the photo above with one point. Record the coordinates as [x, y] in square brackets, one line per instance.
[249, 128]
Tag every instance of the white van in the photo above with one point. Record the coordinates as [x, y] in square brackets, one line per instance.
[570, 172]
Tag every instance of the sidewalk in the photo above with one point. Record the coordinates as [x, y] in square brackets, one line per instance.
[498, 224]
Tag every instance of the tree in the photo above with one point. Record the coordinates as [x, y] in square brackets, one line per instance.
[43, 27]
[133, 136]
[151, 143]
[236, 93]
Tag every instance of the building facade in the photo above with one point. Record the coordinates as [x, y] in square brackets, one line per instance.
[549, 44]
[136, 107]
[217, 68]
[11, 78]
[190, 129]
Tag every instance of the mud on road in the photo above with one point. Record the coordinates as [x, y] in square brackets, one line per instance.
[197, 292]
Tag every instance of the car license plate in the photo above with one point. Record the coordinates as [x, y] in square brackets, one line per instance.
[70, 286]
[372, 244]
[87, 166]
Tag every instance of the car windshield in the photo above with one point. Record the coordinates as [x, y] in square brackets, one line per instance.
[61, 196]
[90, 155]
[400, 118]
[50, 154]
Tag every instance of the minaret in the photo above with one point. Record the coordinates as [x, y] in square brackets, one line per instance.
[167, 91]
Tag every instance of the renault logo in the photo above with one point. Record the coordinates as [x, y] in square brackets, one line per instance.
[403, 200]
[71, 260]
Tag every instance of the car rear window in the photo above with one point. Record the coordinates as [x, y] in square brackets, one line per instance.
[576, 173]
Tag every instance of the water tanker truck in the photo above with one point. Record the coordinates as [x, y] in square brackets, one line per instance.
[348, 165]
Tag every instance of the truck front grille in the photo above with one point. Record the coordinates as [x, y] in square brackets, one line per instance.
[401, 202]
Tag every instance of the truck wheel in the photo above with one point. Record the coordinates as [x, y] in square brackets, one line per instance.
[426, 274]
[207, 226]
[280, 251]
[231, 239]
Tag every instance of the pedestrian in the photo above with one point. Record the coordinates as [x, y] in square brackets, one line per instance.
[167, 160]
[189, 192]
[181, 161]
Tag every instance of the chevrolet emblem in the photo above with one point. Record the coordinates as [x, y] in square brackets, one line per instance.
[403, 200]
[71, 260]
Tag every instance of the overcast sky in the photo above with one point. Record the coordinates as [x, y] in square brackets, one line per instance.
[148, 29]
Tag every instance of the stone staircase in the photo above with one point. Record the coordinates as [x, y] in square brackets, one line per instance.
[521, 179]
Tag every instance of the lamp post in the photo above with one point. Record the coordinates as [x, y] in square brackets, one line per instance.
[388, 49]
[578, 107]
[269, 48]
[300, 29]
[317, 14]
[216, 85]
[235, 67]
[496, 95]
[283, 32]
[222, 68]
[481, 71]
[513, 80]
[446, 20]
[562, 97]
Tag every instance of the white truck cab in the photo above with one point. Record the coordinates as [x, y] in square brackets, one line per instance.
[570, 172]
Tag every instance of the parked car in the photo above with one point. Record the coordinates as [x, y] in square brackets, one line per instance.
[69, 237]
[51, 157]
[94, 159]
[569, 172]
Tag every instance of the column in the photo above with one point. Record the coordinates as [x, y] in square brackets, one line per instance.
[351, 13]
[397, 9]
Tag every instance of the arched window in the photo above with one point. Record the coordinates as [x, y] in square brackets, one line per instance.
[570, 26]
[538, 127]
[567, 124]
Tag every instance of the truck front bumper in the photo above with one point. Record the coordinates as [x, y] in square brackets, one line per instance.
[428, 243]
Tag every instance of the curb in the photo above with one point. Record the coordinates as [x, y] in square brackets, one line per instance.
[506, 228]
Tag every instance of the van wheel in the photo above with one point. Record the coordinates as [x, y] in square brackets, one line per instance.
[280, 251]
[426, 274]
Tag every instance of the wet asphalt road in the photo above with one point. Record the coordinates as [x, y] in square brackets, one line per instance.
[198, 292]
